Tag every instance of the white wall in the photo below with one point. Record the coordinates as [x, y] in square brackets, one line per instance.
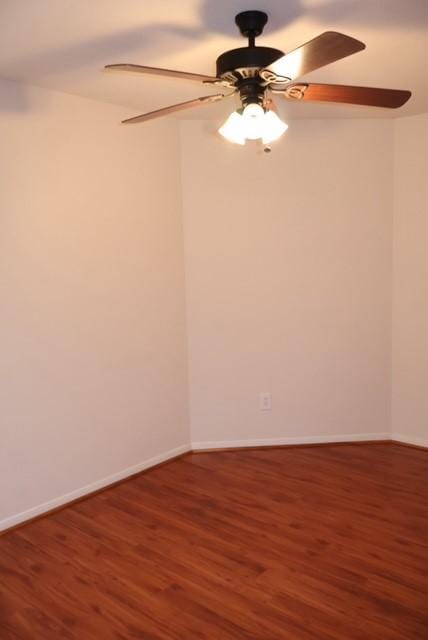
[288, 270]
[93, 374]
[410, 280]
[288, 289]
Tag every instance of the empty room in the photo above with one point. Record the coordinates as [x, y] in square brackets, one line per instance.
[213, 320]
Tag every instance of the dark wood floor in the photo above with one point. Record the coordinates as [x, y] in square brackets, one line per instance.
[314, 543]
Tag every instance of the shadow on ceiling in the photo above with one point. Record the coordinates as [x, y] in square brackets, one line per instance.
[119, 47]
[383, 14]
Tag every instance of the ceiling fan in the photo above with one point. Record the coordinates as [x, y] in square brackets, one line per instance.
[257, 72]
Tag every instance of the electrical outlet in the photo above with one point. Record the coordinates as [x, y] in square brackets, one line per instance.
[265, 401]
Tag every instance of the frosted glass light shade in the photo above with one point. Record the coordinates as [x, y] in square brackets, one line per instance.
[232, 129]
[273, 127]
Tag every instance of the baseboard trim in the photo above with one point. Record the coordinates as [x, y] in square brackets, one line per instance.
[410, 441]
[45, 509]
[89, 490]
[289, 442]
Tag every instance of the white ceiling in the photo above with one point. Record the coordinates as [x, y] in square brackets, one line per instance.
[64, 44]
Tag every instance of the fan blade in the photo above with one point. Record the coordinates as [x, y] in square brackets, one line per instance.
[326, 48]
[170, 73]
[368, 96]
[175, 107]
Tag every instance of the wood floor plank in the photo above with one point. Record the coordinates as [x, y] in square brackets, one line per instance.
[325, 543]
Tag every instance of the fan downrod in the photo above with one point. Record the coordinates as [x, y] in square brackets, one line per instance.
[251, 24]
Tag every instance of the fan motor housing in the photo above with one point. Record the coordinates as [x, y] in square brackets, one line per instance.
[246, 58]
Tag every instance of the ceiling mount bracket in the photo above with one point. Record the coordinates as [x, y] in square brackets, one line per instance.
[251, 24]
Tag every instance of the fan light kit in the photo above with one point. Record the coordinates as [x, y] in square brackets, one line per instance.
[256, 73]
[253, 123]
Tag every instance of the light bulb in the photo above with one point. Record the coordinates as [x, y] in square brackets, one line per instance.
[252, 118]
[272, 127]
[233, 129]
[253, 110]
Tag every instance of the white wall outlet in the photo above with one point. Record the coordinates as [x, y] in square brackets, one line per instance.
[265, 401]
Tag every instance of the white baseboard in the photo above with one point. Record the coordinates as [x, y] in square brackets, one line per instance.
[90, 488]
[18, 518]
[271, 442]
[416, 440]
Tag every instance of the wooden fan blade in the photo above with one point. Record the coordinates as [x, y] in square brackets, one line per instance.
[170, 73]
[326, 48]
[173, 108]
[368, 96]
